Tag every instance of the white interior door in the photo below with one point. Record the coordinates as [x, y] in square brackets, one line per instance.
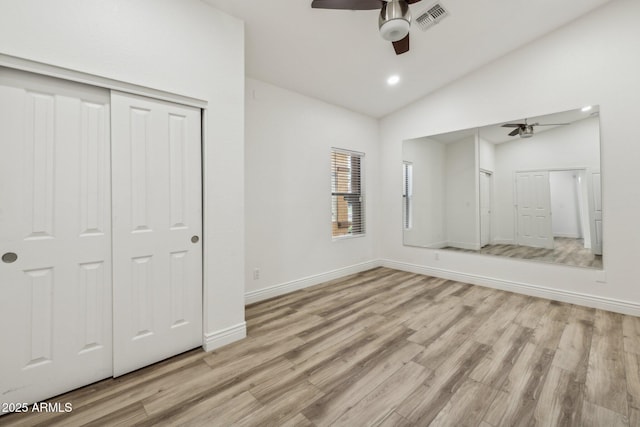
[595, 211]
[55, 231]
[533, 209]
[485, 208]
[157, 222]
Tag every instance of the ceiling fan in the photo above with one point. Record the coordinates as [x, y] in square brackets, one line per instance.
[525, 130]
[394, 20]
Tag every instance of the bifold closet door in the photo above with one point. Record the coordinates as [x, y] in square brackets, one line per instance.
[157, 225]
[55, 236]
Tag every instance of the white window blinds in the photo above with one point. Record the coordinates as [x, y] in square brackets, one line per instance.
[347, 195]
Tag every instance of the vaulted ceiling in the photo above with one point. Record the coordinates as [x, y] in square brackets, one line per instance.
[339, 57]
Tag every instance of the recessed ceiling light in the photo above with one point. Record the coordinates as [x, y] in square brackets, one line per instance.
[393, 80]
[587, 108]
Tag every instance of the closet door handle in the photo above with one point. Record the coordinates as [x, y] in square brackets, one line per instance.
[195, 239]
[9, 257]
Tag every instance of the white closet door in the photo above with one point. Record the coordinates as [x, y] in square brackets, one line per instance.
[157, 224]
[55, 236]
[485, 208]
[534, 209]
[595, 210]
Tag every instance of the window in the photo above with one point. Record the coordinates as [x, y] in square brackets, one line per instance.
[347, 196]
[407, 194]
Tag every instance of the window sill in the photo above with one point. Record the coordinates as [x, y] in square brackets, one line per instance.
[348, 237]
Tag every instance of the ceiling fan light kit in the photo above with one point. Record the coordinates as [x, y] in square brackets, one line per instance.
[393, 23]
[394, 20]
[526, 132]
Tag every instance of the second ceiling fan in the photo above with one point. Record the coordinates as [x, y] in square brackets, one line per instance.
[525, 130]
[394, 20]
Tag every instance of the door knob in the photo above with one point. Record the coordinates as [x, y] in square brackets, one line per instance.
[9, 257]
[195, 239]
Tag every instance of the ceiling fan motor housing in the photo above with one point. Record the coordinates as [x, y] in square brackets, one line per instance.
[394, 21]
[526, 131]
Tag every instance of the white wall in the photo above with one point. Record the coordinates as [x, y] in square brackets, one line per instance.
[487, 155]
[184, 47]
[461, 194]
[288, 188]
[444, 193]
[565, 208]
[429, 227]
[563, 147]
[591, 61]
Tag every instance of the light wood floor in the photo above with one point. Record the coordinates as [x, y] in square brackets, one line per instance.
[388, 348]
[566, 251]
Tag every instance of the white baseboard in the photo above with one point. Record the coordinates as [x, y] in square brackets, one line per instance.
[294, 285]
[567, 235]
[603, 303]
[609, 304]
[213, 340]
[503, 242]
[437, 245]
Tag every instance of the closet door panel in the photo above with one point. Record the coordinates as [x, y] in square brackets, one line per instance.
[157, 224]
[55, 236]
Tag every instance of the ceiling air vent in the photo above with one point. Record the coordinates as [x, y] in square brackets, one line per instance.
[431, 16]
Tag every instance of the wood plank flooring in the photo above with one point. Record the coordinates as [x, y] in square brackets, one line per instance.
[387, 348]
[566, 251]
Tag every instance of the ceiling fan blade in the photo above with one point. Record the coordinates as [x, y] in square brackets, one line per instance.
[401, 46]
[412, 1]
[513, 125]
[514, 132]
[550, 124]
[347, 4]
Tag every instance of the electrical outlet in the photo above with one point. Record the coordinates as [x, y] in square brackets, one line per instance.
[256, 273]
